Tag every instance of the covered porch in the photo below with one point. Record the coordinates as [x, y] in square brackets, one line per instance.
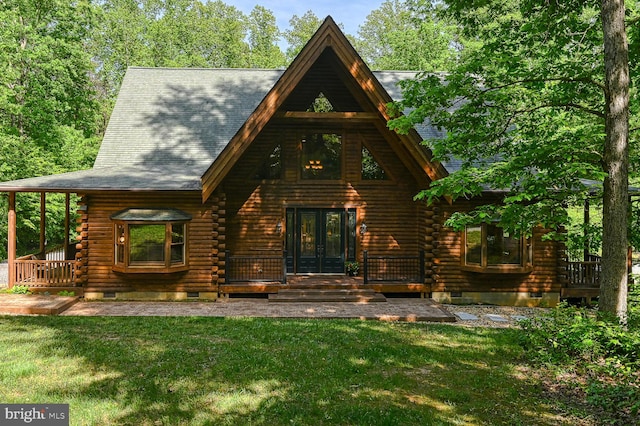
[52, 268]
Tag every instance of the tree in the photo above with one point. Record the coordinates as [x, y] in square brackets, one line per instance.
[47, 102]
[527, 111]
[301, 30]
[263, 40]
[401, 36]
[613, 290]
[170, 33]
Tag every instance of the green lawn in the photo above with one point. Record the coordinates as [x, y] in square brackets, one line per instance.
[197, 371]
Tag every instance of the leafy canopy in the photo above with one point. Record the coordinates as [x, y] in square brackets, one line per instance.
[523, 110]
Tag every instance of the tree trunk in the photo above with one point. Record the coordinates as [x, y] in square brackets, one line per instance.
[613, 289]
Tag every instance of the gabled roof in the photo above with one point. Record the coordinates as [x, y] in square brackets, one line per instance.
[371, 91]
[176, 129]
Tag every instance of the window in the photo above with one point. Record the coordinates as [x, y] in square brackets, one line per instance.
[490, 248]
[371, 169]
[271, 168]
[150, 240]
[321, 156]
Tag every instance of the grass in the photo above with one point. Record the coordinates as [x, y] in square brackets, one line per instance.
[201, 371]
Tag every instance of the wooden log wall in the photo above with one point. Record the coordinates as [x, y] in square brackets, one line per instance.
[82, 246]
[254, 207]
[563, 262]
[449, 276]
[431, 226]
[218, 237]
[100, 250]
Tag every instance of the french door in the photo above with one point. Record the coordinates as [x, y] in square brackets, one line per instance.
[319, 239]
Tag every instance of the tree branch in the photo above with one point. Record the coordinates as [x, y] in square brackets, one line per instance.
[632, 22]
[599, 85]
[597, 113]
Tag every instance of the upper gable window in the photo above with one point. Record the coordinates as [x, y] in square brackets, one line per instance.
[321, 156]
[490, 248]
[321, 104]
[371, 169]
[271, 168]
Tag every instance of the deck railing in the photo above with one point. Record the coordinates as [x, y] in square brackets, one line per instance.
[44, 273]
[48, 269]
[584, 274]
[258, 268]
[393, 268]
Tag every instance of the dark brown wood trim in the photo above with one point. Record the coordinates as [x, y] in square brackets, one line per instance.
[43, 222]
[11, 237]
[328, 117]
[67, 222]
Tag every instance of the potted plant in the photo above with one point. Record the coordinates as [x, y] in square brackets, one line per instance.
[352, 268]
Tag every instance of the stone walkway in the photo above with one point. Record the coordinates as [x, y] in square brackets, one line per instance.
[409, 310]
[392, 310]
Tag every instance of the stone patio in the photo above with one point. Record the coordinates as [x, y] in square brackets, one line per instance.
[393, 310]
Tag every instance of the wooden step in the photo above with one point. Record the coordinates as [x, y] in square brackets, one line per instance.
[327, 295]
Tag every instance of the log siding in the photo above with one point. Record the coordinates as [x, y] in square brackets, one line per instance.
[101, 276]
[450, 276]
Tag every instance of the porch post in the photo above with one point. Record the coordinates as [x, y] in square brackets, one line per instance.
[284, 267]
[586, 220]
[11, 239]
[365, 266]
[67, 202]
[43, 223]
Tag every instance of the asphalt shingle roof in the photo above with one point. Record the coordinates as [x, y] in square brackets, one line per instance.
[170, 124]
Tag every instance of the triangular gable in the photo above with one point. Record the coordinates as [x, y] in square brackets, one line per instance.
[328, 35]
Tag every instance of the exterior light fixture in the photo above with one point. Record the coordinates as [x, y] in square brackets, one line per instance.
[363, 228]
[279, 227]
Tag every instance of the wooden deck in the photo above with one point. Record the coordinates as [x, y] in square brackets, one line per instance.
[22, 304]
[322, 282]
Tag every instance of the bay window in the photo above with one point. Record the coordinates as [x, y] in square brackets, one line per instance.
[490, 248]
[150, 240]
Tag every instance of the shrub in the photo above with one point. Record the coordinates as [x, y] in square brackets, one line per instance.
[19, 289]
[602, 353]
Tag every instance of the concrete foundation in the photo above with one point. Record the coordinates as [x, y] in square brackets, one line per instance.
[546, 300]
[152, 295]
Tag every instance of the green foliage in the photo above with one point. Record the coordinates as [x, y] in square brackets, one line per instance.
[577, 335]
[48, 118]
[66, 293]
[406, 35]
[19, 289]
[263, 40]
[300, 31]
[352, 267]
[523, 109]
[596, 347]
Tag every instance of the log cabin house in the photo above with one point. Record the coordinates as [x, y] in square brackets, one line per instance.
[218, 182]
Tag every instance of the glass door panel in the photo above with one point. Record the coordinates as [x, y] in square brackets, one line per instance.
[308, 259]
[333, 256]
[319, 240]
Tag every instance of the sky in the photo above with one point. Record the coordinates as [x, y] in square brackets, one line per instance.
[350, 13]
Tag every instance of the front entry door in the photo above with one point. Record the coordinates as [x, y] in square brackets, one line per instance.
[320, 242]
